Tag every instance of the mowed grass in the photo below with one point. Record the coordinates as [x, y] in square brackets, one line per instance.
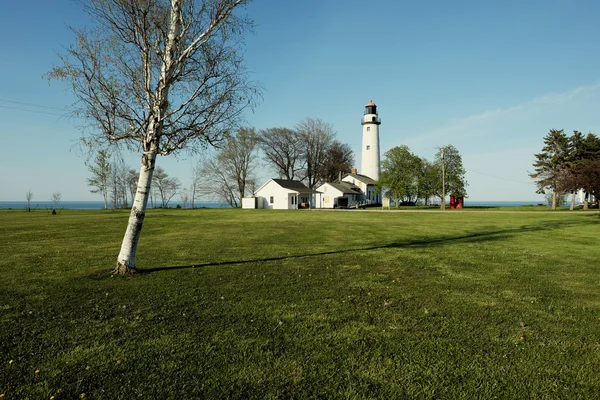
[301, 304]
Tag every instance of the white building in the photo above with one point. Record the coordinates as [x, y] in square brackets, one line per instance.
[352, 190]
[282, 194]
[370, 142]
[331, 194]
[357, 189]
[366, 185]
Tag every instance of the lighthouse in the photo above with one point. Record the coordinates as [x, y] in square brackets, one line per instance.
[370, 142]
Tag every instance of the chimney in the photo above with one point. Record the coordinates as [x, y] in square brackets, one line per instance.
[354, 171]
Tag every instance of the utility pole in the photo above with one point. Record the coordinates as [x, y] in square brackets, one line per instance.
[443, 207]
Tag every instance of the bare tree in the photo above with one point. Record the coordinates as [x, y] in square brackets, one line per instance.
[159, 76]
[131, 180]
[284, 150]
[197, 186]
[101, 169]
[167, 186]
[184, 197]
[29, 197]
[339, 158]
[317, 136]
[117, 184]
[230, 172]
[55, 199]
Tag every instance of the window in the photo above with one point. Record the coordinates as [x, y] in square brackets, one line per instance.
[373, 119]
[271, 200]
[368, 147]
[368, 128]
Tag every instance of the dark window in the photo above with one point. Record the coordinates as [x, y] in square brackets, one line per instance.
[271, 199]
[368, 147]
[373, 119]
[368, 128]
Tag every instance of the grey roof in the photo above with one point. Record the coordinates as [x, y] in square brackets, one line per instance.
[346, 187]
[293, 185]
[362, 178]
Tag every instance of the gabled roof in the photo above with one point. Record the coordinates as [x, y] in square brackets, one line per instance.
[346, 187]
[288, 184]
[291, 184]
[362, 178]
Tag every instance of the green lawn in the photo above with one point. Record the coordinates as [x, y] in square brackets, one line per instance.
[301, 304]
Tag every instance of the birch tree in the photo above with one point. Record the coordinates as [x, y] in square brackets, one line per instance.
[29, 197]
[157, 76]
[101, 169]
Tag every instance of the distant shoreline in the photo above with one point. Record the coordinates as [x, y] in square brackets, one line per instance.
[98, 205]
[93, 205]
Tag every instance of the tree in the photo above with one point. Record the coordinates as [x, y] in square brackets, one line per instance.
[196, 186]
[399, 175]
[167, 186]
[428, 182]
[317, 136]
[118, 186]
[101, 170]
[29, 197]
[591, 181]
[339, 157]
[283, 149]
[131, 180]
[158, 76]
[450, 164]
[184, 197]
[550, 164]
[583, 163]
[230, 172]
[55, 199]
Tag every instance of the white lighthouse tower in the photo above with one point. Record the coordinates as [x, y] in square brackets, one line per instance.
[370, 142]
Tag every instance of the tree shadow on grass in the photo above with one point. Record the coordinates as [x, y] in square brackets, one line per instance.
[471, 237]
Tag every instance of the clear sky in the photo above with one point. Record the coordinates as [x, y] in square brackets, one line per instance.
[490, 78]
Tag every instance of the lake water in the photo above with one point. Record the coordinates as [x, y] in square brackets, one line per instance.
[96, 205]
[90, 205]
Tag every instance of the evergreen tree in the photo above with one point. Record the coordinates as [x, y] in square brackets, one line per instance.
[551, 164]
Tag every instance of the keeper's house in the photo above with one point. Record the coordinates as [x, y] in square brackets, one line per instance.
[282, 194]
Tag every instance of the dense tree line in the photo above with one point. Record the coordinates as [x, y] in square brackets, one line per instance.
[408, 178]
[568, 164]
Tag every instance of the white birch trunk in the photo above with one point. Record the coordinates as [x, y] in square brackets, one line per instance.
[126, 259]
[553, 199]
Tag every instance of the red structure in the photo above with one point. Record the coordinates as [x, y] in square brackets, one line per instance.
[456, 201]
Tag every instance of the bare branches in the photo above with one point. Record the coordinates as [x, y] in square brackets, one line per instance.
[166, 72]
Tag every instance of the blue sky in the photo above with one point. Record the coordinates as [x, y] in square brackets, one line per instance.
[490, 78]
